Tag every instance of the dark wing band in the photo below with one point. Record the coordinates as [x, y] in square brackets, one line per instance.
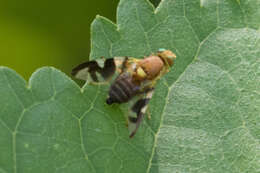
[139, 108]
[93, 69]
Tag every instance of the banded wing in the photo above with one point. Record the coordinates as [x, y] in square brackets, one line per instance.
[98, 70]
[137, 112]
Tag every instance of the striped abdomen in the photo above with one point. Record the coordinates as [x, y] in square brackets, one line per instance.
[122, 90]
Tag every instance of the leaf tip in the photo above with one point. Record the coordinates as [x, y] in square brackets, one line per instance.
[98, 16]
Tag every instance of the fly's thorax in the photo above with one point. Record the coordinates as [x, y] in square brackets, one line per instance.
[150, 67]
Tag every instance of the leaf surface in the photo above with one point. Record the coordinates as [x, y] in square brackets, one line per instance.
[205, 112]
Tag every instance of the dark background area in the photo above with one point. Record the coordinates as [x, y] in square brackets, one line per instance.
[48, 33]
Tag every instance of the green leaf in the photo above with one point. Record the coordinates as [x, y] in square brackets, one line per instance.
[205, 112]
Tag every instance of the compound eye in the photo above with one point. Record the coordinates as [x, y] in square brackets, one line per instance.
[170, 61]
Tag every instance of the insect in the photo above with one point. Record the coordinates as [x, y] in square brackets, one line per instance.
[133, 80]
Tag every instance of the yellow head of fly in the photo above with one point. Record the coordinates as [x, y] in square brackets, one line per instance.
[167, 56]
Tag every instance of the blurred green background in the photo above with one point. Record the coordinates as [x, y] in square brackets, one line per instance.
[48, 33]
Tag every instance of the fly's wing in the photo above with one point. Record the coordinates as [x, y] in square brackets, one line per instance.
[100, 70]
[137, 112]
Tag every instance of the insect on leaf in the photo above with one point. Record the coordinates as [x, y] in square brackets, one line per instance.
[204, 113]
